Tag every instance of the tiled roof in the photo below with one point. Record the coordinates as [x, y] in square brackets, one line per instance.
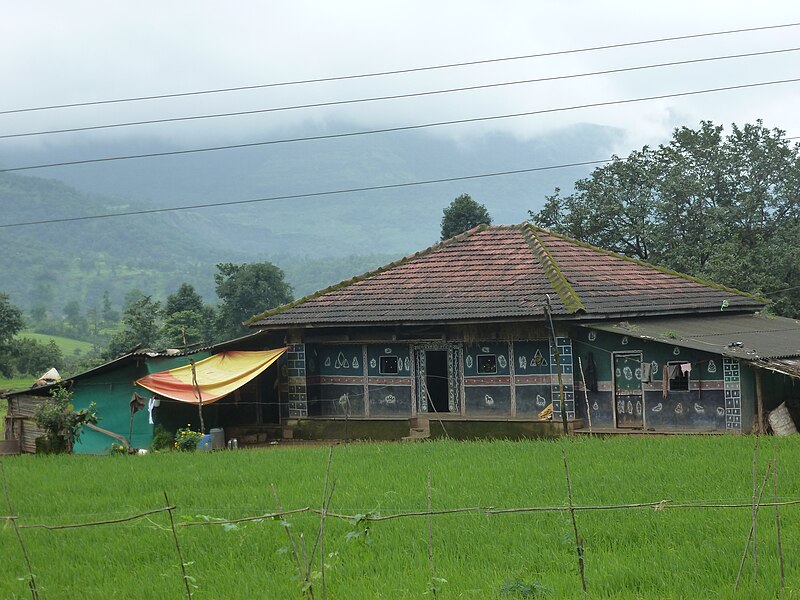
[504, 273]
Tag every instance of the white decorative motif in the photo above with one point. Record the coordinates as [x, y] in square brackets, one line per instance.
[344, 399]
[625, 340]
[538, 359]
[485, 349]
[595, 406]
[387, 350]
[618, 372]
[720, 411]
[390, 399]
[501, 360]
[628, 373]
[638, 374]
[355, 362]
[653, 368]
[712, 368]
[373, 363]
[468, 361]
[678, 408]
[341, 362]
[621, 407]
[523, 363]
[592, 336]
[638, 408]
[488, 400]
[540, 401]
[698, 408]
[327, 361]
[676, 351]
[630, 407]
[407, 364]
[657, 408]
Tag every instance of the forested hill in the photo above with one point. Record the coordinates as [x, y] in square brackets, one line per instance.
[317, 241]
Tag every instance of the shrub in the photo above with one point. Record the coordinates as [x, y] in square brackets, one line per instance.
[58, 417]
[162, 439]
[186, 439]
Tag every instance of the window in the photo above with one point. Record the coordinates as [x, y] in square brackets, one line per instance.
[679, 376]
[487, 363]
[388, 365]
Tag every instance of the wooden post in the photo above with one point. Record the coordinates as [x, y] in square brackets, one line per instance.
[759, 426]
[558, 365]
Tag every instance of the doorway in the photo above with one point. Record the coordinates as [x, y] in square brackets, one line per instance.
[437, 381]
[628, 395]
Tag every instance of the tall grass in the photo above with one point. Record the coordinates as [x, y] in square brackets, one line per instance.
[642, 553]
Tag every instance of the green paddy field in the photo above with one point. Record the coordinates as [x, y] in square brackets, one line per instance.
[630, 553]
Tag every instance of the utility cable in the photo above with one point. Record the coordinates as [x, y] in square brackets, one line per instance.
[307, 195]
[399, 128]
[404, 71]
[397, 96]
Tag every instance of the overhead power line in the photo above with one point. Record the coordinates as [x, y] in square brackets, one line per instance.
[322, 193]
[403, 71]
[308, 195]
[399, 96]
[398, 128]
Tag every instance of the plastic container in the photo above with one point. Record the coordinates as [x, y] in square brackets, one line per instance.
[204, 443]
[781, 421]
[217, 438]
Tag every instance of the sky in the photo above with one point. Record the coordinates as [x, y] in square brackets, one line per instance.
[56, 52]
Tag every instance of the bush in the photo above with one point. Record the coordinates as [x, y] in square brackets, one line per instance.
[162, 439]
[61, 422]
[186, 439]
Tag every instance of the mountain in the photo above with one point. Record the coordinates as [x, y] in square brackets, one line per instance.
[316, 240]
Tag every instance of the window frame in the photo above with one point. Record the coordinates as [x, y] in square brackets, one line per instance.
[687, 377]
[478, 364]
[396, 364]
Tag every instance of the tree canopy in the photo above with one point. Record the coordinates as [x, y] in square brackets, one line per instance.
[725, 208]
[11, 323]
[463, 214]
[245, 290]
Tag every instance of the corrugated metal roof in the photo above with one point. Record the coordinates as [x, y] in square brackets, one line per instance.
[749, 337]
[504, 273]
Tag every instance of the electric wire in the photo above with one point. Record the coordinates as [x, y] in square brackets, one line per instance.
[406, 70]
[401, 127]
[396, 96]
[307, 195]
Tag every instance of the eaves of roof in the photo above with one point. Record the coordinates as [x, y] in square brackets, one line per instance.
[749, 337]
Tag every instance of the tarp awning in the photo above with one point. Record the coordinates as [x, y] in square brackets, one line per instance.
[216, 376]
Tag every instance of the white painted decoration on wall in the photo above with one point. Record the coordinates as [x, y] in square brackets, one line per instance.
[468, 362]
[657, 408]
[501, 360]
[523, 363]
[488, 400]
[355, 362]
[373, 363]
[540, 401]
[327, 362]
[712, 366]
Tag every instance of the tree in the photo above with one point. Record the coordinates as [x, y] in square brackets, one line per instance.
[245, 290]
[722, 208]
[31, 357]
[11, 324]
[142, 327]
[463, 214]
[187, 320]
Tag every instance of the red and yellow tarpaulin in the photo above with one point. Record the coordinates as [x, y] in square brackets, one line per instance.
[212, 378]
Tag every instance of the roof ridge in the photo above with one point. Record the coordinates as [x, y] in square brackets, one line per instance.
[358, 278]
[569, 298]
[642, 263]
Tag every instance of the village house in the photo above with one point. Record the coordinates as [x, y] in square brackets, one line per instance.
[455, 339]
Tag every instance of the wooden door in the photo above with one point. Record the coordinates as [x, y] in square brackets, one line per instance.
[628, 396]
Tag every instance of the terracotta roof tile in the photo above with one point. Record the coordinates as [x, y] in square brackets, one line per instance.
[504, 272]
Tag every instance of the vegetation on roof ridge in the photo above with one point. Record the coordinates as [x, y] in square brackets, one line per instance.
[642, 263]
[569, 298]
[358, 278]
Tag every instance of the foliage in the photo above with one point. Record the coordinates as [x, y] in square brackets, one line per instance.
[141, 319]
[186, 439]
[11, 323]
[187, 320]
[463, 214]
[58, 417]
[162, 439]
[516, 588]
[245, 290]
[117, 448]
[722, 208]
[32, 357]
